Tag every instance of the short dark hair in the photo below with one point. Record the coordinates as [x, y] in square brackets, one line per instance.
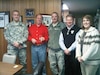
[70, 15]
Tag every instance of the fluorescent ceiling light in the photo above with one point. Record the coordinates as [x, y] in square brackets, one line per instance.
[65, 7]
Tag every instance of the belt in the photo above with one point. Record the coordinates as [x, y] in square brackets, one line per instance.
[38, 44]
[56, 50]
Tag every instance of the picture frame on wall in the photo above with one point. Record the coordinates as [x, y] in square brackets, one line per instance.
[29, 12]
[4, 18]
[47, 19]
[30, 22]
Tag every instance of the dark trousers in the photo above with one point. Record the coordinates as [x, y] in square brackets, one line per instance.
[72, 66]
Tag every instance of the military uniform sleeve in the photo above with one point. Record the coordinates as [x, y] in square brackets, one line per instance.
[7, 34]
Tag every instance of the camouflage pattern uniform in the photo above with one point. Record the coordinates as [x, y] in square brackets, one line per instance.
[16, 32]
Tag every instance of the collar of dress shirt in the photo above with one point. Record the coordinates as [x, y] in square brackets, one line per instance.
[70, 27]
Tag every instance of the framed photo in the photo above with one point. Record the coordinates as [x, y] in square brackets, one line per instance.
[29, 12]
[4, 18]
[47, 20]
[30, 22]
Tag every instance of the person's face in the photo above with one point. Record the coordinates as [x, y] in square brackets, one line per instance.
[16, 16]
[54, 18]
[86, 23]
[39, 19]
[69, 21]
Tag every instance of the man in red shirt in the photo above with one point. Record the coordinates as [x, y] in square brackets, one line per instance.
[38, 35]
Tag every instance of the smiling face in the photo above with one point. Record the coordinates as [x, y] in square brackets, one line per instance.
[69, 21]
[54, 18]
[16, 16]
[39, 19]
[87, 21]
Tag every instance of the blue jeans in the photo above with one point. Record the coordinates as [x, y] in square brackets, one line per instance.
[38, 54]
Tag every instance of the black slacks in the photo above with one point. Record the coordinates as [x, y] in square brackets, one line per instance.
[72, 66]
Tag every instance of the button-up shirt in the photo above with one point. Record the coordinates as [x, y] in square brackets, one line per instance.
[36, 32]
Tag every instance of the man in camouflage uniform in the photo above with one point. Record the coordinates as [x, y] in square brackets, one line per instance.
[16, 34]
[55, 53]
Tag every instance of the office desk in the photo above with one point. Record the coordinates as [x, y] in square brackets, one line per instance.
[9, 69]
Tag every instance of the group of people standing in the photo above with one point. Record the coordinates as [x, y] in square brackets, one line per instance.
[71, 50]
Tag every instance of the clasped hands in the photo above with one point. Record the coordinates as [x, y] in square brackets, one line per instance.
[67, 52]
[41, 40]
[16, 44]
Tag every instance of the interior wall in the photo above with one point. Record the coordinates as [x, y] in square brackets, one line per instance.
[39, 6]
[79, 16]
